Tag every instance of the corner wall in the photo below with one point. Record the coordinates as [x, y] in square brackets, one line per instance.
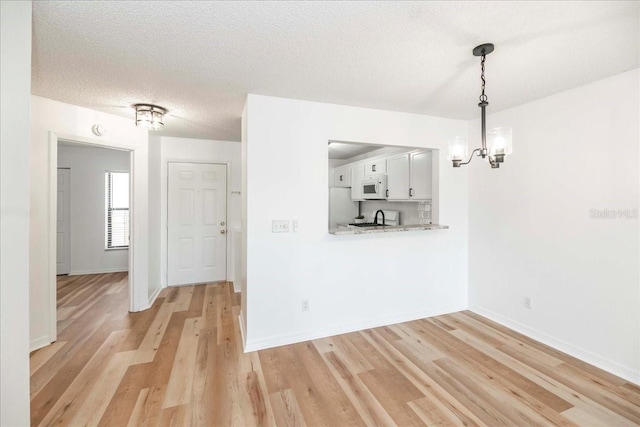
[351, 282]
[15, 90]
[531, 230]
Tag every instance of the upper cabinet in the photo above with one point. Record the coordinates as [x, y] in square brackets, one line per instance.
[357, 175]
[398, 177]
[375, 167]
[421, 176]
[409, 176]
[342, 176]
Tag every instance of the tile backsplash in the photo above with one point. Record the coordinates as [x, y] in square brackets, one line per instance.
[409, 211]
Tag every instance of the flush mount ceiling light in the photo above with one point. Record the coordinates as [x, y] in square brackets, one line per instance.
[150, 116]
[499, 143]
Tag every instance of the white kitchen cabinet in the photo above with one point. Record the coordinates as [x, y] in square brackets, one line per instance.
[420, 167]
[409, 176]
[398, 177]
[342, 176]
[357, 175]
[375, 167]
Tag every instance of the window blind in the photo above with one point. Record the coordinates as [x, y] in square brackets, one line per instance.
[117, 212]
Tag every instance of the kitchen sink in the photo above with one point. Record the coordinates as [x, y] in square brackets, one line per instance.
[370, 224]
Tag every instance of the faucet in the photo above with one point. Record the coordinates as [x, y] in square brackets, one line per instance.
[375, 219]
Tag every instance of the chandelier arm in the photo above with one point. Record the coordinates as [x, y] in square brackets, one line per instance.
[470, 157]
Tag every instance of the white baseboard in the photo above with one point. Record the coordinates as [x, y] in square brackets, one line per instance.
[39, 343]
[587, 356]
[242, 335]
[154, 295]
[236, 287]
[99, 271]
[344, 329]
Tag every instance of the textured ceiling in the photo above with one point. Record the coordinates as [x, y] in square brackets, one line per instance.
[200, 59]
[347, 150]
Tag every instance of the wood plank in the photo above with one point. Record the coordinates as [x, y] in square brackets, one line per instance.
[431, 414]
[137, 415]
[181, 379]
[286, 409]
[369, 409]
[149, 346]
[68, 404]
[175, 416]
[181, 363]
[430, 380]
[389, 386]
[106, 384]
[465, 354]
[39, 357]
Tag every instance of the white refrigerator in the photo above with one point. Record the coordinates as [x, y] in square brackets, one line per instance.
[342, 210]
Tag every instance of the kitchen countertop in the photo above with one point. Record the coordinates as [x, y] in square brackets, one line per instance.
[346, 229]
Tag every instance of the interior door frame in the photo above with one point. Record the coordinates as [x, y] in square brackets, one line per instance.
[138, 298]
[67, 246]
[165, 228]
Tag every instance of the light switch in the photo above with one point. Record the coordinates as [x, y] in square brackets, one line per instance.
[280, 226]
[295, 225]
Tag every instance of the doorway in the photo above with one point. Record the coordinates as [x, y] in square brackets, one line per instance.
[96, 227]
[63, 230]
[196, 223]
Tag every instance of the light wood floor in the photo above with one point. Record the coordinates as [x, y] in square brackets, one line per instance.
[181, 363]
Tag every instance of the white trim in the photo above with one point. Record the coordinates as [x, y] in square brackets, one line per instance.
[52, 289]
[154, 295]
[242, 334]
[587, 356]
[39, 343]
[344, 329]
[236, 286]
[98, 271]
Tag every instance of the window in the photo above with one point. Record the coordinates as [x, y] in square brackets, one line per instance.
[117, 212]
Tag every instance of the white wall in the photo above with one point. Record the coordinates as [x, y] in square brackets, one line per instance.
[352, 282]
[15, 88]
[87, 201]
[244, 203]
[530, 231]
[201, 151]
[50, 120]
[155, 224]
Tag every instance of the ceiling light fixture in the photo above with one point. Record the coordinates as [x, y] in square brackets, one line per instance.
[150, 116]
[499, 144]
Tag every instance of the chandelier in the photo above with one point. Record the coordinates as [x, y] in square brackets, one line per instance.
[496, 143]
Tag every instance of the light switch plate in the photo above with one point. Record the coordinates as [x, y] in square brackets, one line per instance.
[295, 225]
[280, 226]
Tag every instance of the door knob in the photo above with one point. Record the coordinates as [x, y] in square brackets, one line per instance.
[223, 231]
[222, 223]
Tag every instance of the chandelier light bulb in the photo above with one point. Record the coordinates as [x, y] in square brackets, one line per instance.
[457, 149]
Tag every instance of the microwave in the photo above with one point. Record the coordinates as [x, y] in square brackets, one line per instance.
[375, 188]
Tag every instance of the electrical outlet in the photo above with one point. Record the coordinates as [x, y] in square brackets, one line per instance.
[527, 302]
[280, 226]
[305, 305]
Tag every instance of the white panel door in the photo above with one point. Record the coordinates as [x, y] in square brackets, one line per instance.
[63, 231]
[197, 223]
